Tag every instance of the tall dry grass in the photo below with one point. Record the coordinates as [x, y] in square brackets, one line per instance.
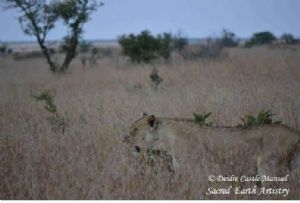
[90, 161]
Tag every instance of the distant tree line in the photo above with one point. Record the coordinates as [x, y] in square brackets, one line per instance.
[264, 38]
[144, 47]
[228, 39]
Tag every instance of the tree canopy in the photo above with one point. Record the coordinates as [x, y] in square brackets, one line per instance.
[38, 17]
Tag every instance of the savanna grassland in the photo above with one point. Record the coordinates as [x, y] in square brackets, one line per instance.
[88, 159]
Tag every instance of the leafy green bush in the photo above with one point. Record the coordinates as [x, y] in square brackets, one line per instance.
[145, 47]
[201, 119]
[56, 120]
[261, 38]
[142, 48]
[48, 98]
[165, 45]
[264, 117]
[155, 78]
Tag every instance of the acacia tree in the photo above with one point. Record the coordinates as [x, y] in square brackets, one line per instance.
[38, 18]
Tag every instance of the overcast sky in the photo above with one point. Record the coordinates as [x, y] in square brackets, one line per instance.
[195, 18]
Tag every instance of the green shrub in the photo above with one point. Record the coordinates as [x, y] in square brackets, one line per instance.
[201, 119]
[57, 121]
[261, 38]
[155, 78]
[264, 117]
[165, 45]
[145, 47]
[48, 98]
[142, 48]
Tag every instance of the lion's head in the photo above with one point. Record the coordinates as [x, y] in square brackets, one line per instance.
[140, 130]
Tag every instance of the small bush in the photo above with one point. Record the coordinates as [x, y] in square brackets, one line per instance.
[165, 45]
[145, 47]
[48, 98]
[142, 48]
[228, 39]
[201, 119]
[261, 38]
[58, 121]
[155, 78]
[264, 117]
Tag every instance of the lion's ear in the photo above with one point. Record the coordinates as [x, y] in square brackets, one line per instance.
[151, 121]
[144, 114]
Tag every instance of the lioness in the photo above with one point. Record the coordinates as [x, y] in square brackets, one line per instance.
[267, 150]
